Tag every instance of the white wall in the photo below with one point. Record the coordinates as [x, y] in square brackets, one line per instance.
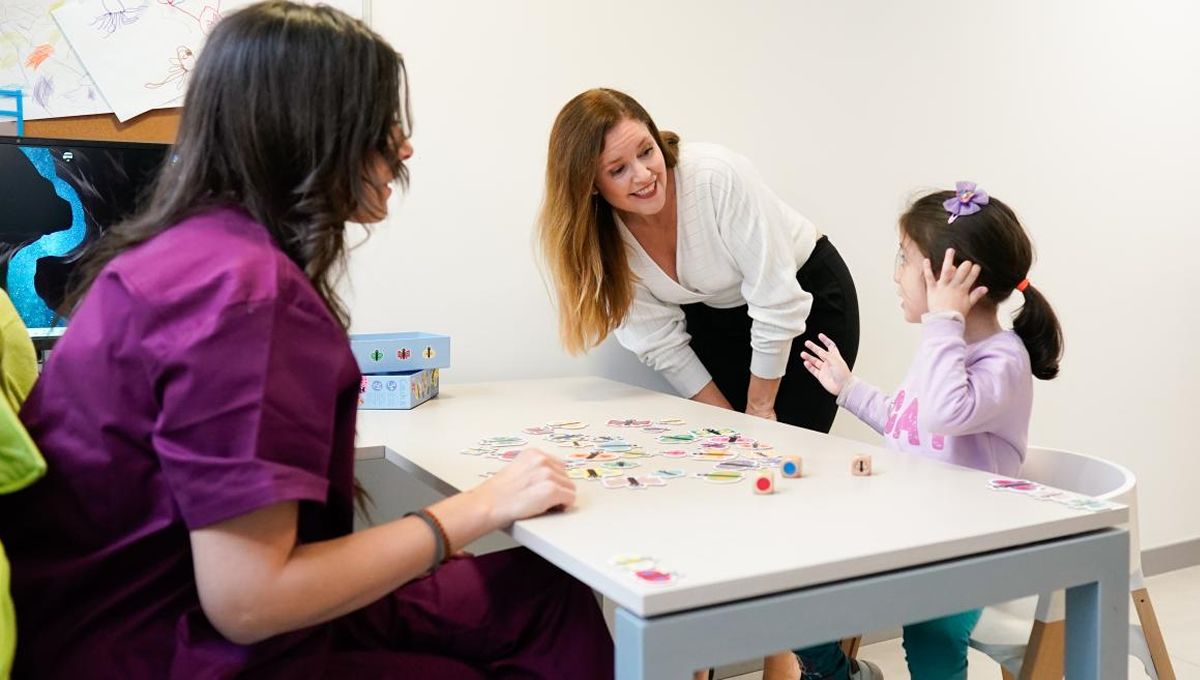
[1083, 116]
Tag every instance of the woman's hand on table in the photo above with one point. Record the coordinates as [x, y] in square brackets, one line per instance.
[533, 483]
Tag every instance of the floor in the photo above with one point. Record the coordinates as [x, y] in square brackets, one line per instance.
[1176, 598]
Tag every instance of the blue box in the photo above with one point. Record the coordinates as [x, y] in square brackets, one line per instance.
[398, 390]
[393, 352]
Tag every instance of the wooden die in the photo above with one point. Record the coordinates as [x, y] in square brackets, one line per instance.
[764, 482]
[860, 466]
[792, 466]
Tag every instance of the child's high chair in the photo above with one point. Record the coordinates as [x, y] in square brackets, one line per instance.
[1026, 637]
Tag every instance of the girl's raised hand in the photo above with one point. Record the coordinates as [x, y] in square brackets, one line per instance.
[951, 291]
[826, 364]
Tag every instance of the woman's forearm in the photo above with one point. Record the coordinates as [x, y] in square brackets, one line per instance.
[760, 397]
[255, 582]
[710, 394]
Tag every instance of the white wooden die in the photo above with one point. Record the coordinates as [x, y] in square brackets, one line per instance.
[860, 466]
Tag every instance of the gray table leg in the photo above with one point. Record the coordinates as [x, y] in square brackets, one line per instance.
[1097, 624]
[637, 656]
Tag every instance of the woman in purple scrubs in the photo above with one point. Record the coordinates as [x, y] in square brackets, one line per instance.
[198, 417]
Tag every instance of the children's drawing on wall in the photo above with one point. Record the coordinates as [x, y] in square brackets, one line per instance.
[180, 66]
[207, 16]
[118, 13]
[138, 53]
[36, 59]
[141, 64]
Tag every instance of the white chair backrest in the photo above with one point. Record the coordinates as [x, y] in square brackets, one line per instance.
[1094, 477]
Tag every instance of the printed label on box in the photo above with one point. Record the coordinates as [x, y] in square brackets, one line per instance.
[398, 390]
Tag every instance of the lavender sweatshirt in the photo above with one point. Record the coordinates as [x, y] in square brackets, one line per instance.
[963, 404]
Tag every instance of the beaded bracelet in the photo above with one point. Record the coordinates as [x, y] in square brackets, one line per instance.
[442, 550]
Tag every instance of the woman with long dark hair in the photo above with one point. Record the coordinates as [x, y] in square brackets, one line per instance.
[198, 416]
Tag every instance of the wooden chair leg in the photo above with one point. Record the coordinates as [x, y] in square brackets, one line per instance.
[1005, 675]
[1154, 637]
[850, 646]
[1044, 654]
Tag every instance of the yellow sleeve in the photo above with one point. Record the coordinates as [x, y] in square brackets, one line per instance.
[18, 362]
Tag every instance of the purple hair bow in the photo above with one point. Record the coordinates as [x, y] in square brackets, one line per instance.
[968, 200]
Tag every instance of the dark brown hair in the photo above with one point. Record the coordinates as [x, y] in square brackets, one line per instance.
[579, 239]
[287, 108]
[994, 239]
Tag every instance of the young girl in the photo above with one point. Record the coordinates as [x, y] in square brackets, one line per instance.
[969, 393]
[198, 417]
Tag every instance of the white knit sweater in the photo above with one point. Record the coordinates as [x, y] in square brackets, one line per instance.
[737, 244]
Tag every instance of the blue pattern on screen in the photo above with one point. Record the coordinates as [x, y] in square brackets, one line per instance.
[23, 264]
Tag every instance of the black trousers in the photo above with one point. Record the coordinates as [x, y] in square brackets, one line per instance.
[721, 338]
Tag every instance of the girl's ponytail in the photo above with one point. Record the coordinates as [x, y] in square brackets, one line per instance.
[1037, 326]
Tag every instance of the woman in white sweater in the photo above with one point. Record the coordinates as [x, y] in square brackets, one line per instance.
[688, 256]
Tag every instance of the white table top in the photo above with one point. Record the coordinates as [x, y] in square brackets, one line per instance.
[726, 542]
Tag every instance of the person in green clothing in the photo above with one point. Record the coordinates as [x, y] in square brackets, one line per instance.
[20, 462]
[18, 363]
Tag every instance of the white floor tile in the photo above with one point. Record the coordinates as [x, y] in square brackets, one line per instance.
[1176, 599]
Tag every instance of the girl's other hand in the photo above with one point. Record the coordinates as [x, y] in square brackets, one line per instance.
[827, 365]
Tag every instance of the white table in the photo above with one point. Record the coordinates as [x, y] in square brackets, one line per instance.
[828, 556]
